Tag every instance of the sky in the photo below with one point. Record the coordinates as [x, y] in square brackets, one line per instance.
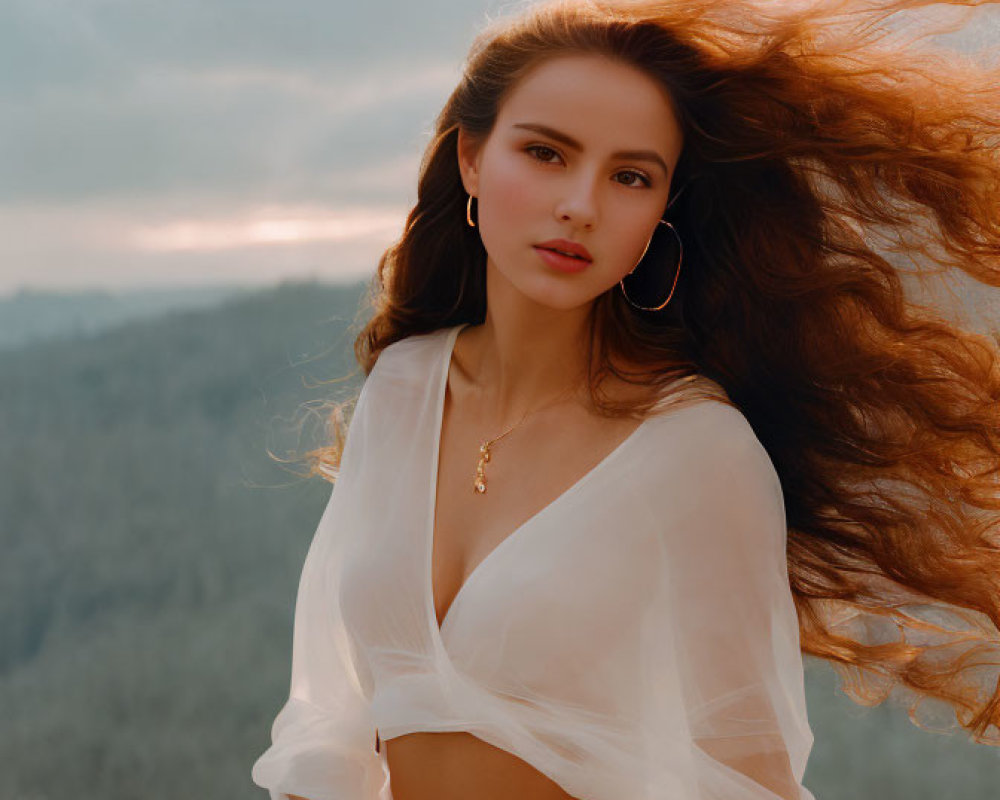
[160, 142]
[154, 143]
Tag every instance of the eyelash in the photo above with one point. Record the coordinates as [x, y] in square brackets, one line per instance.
[646, 181]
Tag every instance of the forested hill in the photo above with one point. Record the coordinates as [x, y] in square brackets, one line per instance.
[32, 315]
[152, 549]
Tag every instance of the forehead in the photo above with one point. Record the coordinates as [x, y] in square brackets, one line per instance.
[602, 102]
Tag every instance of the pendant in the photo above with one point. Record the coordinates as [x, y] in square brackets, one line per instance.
[484, 456]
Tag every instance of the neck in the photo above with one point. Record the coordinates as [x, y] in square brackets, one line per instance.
[516, 362]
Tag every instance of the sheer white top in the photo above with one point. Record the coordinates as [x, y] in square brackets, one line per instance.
[636, 638]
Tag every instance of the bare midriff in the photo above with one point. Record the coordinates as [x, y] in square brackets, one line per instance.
[459, 766]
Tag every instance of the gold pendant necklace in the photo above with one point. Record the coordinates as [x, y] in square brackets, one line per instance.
[479, 485]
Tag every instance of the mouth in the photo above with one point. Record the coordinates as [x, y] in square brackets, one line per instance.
[564, 253]
[566, 248]
[562, 261]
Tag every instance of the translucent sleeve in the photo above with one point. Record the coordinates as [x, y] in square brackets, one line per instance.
[323, 738]
[736, 645]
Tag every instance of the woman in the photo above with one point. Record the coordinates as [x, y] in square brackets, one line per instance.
[647, 416]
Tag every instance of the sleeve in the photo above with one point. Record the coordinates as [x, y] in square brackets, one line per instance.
[736, 634]
[323, 737]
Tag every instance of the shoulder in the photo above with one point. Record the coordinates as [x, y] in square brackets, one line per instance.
[402, 377]
[409, 357]
[403, 351]
[397, 386]
[697, 417]
[710, 487]
[708, 448]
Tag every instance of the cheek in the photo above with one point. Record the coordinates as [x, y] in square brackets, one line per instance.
[626, 241]
[510, 213]
[510, 185]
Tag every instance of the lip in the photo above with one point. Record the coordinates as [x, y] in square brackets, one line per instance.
[558, 261]
[566, 246]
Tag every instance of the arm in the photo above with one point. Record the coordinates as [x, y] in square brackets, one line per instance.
[323, 737]
[737, 646]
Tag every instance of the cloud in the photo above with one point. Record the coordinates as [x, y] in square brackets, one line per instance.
[147, 244]
[212, 131]
[135, 134]
[265, 226]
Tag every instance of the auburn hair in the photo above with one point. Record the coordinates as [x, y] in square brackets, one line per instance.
[828, 149]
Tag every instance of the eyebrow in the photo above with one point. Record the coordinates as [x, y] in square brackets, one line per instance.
[569, 141]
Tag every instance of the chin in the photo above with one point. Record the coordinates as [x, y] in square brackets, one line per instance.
[564, 298]
[560, 292]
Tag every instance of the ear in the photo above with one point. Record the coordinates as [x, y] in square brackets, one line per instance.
[469, 153]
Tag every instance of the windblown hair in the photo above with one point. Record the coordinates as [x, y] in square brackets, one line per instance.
[826, 147]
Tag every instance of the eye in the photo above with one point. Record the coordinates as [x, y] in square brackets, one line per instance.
[536, 148]
[643, 178]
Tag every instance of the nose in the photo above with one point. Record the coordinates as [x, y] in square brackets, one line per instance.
[579, 203]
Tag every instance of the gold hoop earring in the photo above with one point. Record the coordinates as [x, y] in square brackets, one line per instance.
[680, 258]
[468, 213]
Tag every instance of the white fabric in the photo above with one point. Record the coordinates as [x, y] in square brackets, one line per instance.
[636, 638]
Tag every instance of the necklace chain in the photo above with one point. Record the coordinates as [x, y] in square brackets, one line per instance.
[479, 485]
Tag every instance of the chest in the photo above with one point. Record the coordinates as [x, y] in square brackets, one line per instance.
[529, 472]
[514, 586]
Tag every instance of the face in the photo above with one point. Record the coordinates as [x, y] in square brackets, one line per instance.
[599, 175]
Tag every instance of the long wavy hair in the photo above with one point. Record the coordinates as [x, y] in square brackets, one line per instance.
[827, 149]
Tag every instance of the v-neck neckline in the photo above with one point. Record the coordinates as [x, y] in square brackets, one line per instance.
[438, 410]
